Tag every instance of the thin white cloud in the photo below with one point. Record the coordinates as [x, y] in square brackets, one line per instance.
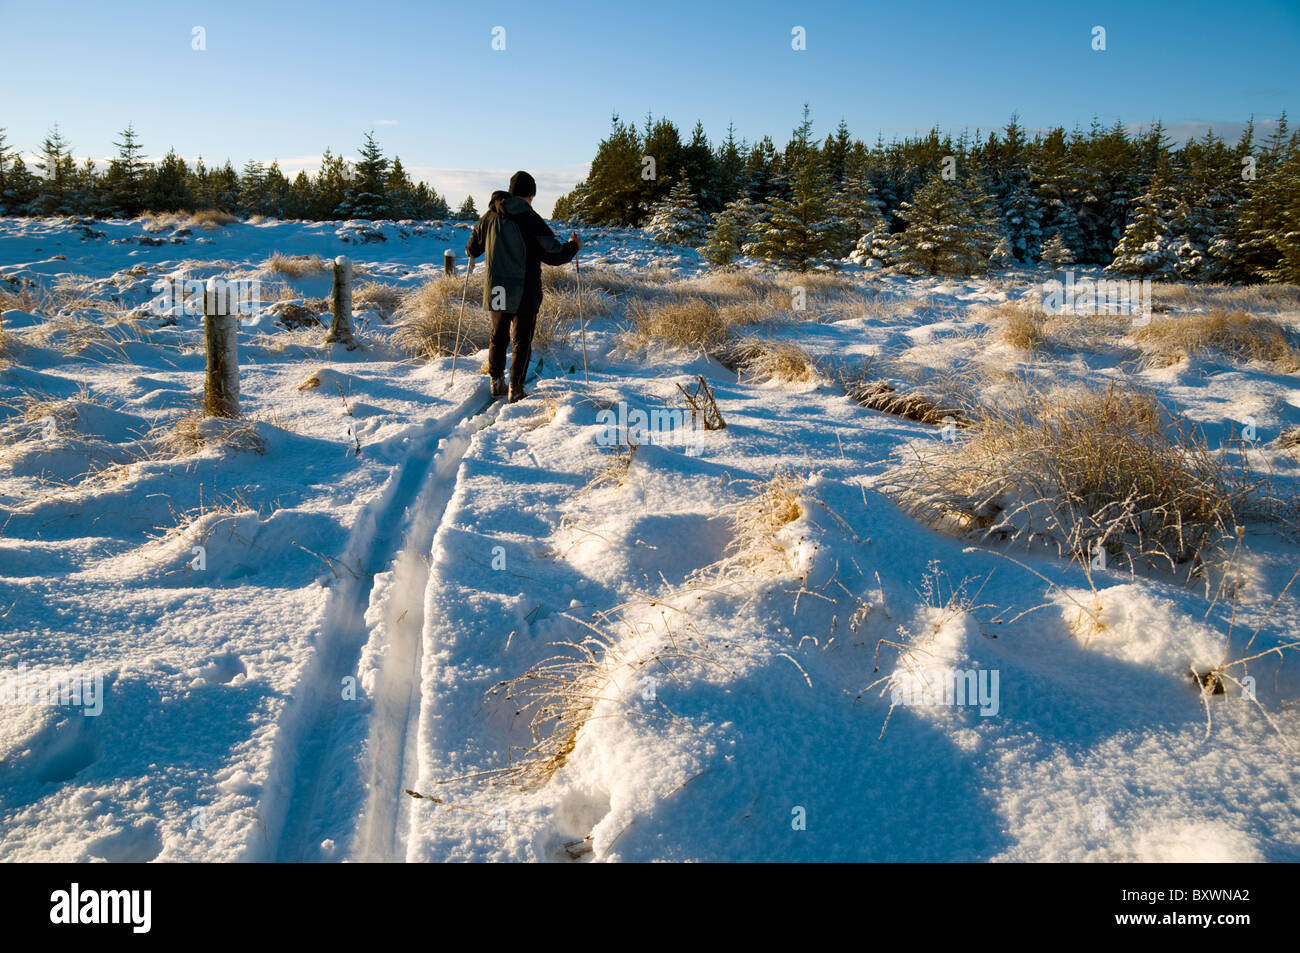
[292, 165]
[1189, 129]
[386, 122]
[455, 184]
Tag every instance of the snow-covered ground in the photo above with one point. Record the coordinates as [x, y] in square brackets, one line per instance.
[291, 631]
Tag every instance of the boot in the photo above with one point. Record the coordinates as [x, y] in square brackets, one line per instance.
[499, 386]
[517, 395]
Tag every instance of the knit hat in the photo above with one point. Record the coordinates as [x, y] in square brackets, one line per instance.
[523, 185]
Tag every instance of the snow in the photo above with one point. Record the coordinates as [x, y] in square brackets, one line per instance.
[358, 616]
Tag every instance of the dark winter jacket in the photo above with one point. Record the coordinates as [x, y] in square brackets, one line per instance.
[516, 241]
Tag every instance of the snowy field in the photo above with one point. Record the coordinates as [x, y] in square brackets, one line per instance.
[360, 590]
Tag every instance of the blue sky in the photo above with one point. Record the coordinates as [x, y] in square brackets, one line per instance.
[286, 79]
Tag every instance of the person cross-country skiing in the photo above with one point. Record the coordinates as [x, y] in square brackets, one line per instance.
[516, 242]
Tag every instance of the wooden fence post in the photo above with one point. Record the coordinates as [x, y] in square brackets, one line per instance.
[221, 329]
[341, 327]
[449, 262]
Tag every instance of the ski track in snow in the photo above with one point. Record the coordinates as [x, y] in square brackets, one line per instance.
[395, 531]
[398, 699]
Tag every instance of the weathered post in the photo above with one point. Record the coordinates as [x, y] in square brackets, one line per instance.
[341, 326]
[449, 262]
[220, 329]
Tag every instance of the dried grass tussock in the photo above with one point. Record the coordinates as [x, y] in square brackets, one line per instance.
[1086, 469]
[295, 266]
[429, 316]
[1237, 334]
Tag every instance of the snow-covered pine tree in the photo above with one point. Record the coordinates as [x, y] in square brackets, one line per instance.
[1110, 172]
[1208, 189]
[467, 212]
[200, 183]
[795, 235]
[732, 229]
[89, 196]
[572, 205]
[730, 161]
[1148, 247]
[1056, 253]
[125, 180]
[331, 188]
[700, 168]
[400, 191]
[1269, 227]
[855, 211]
[58, 173]
[1022, 219]
[880, 171]
[613, 183]
[429, 203]
[168, 187]
[676, 219]
[763, 176]
[1055, 190]
[1002, 255]
[6, 159]
[252, 189]
[20, 188]
[1191, 259]
[799, 232]
[1260, 245]
[1287, 184]
[368, 195]
[837, 152]
[275, 191]
[662, 141]
[301, 196]
[224, 183]
[1004, 163]
[876, 249]
[951, 229]
[989, 225]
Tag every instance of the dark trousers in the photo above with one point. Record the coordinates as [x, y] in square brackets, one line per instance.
[515, 329]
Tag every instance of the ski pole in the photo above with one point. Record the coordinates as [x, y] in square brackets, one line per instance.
[581, 320]
[455, 348]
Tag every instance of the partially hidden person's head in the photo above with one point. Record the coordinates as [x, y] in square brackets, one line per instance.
[523, 185]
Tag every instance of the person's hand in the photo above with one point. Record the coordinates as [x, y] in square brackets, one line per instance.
[576, 240]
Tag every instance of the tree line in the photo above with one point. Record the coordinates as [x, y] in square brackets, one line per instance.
[1207, 210]
[373, 187]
